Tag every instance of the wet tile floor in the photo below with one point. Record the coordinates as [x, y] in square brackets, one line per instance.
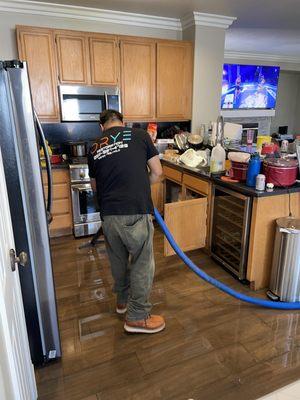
[213, 347]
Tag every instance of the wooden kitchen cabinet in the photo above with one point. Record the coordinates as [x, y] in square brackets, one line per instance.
[138, 78]
[265, 211]
[157, 194]
[62, 222]
[36, 47]
[174, 80]
[155, 76]
[186, 221]
[104, 59]
[185, 210]
[73, 57]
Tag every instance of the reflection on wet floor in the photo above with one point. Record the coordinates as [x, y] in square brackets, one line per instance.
[214, 347]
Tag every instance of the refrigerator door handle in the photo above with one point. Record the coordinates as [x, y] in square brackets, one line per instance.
[106, 100]
[48, 167]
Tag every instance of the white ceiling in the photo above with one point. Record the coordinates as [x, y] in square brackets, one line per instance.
[262, 26]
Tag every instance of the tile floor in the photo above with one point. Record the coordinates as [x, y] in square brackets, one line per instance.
[290, 392]
[213, 348]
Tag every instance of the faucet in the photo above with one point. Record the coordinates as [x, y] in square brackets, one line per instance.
[220, 130]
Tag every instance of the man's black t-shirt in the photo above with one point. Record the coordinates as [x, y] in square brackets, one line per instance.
[118, 162]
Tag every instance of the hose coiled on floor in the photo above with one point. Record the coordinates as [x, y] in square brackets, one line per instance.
[215, 282]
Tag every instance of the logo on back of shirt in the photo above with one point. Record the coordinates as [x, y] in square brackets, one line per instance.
[111, 144]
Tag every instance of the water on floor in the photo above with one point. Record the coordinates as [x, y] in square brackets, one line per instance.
[213, 347]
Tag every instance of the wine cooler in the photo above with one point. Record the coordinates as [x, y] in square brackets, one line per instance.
[231, 215]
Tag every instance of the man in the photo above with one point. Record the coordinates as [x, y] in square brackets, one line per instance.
[118, 168]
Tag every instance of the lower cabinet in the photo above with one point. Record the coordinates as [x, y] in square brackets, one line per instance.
[186, 221]
[157, 194]
[62, 222]
[185, 212]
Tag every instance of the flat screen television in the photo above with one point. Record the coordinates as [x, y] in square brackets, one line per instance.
[249, 86]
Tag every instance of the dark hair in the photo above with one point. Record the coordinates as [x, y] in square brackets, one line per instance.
[109, 116]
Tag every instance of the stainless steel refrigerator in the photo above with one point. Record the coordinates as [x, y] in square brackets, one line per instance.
[20, 137]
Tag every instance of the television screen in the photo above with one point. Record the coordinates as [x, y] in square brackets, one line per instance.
[249, 86]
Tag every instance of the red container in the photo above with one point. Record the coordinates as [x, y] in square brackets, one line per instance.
[269, 148]
[281, 172]
[239, 171]
[56, 159]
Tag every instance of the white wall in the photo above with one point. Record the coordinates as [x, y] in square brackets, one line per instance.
[287, 105]
[8, 21]
[284, 66]
[297, 113]
[208, 66]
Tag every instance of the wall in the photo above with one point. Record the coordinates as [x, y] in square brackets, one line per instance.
[287, 102]
[297, 119]
[208, 65]
[8, 21]
[284, 66]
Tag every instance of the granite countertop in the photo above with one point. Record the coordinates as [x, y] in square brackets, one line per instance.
[199, 172]
[204, 173]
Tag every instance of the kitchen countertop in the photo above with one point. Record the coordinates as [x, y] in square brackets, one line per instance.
[59, 166]
[199, 172]
[204, 173]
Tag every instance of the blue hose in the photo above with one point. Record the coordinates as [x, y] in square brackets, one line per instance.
[215, 282]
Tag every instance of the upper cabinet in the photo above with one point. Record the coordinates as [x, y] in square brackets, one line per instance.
[36, 46]
[104, 59]
[155, 76]
[138, 78]
[73, 58]
[174, 80]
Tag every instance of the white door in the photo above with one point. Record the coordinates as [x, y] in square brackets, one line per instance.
[17, 381]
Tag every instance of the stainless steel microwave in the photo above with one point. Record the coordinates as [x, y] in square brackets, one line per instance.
[85, 103]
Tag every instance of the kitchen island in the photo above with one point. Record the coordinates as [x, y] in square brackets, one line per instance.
[197, 185]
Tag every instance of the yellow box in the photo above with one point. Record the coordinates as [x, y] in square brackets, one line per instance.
[261, 140]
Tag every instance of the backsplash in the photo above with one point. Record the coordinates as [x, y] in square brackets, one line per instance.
[61, 133]
[264, 123]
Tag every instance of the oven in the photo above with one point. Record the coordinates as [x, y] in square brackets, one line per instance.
[85, 103]
[86, 216]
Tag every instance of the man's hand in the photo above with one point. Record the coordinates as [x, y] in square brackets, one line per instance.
[155, 169]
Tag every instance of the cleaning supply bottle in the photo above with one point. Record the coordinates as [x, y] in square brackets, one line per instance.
[253, 169]
[217, 160]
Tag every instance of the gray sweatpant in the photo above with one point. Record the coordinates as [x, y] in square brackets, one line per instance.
[129, 244]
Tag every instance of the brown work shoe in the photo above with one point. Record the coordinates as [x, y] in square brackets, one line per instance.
[152, 324]
[121, 308]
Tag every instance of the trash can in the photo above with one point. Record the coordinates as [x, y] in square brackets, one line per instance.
[285, 274]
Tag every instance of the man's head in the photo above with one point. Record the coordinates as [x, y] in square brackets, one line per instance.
[110, 118]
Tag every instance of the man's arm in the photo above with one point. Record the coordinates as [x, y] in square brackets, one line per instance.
[155, 169]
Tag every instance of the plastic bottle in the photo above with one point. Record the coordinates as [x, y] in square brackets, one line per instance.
[253, 169]
[217, 160]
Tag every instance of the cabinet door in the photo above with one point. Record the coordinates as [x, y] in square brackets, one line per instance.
[186, 221]
[157, 194]
[62, 222]
[174, 80]
[138, 78]
[104, 59]
[73, 59]
[36, 46]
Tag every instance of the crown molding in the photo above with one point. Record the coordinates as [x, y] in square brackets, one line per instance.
[89, 14]
[203, 19]
[230, 113]
[261, 57]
